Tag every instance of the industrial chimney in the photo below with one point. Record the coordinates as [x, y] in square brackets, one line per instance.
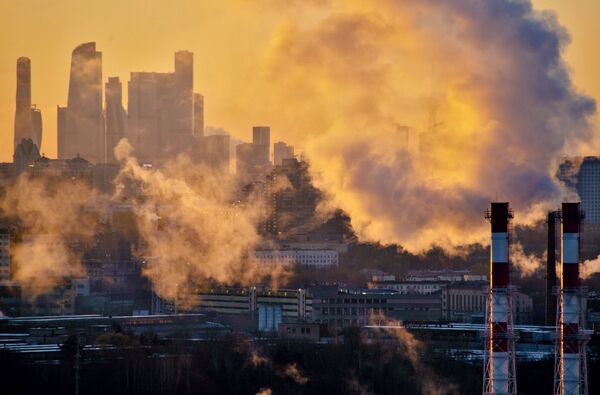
[570, 370]
[551, 279]
[499, 359]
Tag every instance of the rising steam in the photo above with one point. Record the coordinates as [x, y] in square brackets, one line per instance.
[415, 114]
[55, 217]
[193, 230]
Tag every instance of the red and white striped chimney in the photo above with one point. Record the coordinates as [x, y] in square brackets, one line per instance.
[570, 377]
[499, 366]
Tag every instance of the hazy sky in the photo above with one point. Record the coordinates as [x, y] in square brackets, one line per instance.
[228, 38]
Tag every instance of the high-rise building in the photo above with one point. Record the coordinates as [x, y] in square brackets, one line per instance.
[161, 112]
[290, 208]
[145, 115]
[61, 127]
[183, 110]
[115, 116]
[245, 162]
[282, 151]
[215, 151]
[28, 119]
[261, 138]
[588, 186]
[198, 115]
[36, 118]
[81, 124]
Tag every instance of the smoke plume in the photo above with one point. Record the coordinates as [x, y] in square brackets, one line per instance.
[412, 349]
[55, 219]
[526, 264]
[590, 267]
[191, 227]
[416, 114]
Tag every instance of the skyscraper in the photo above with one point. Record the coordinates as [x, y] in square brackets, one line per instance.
[245, 162]
[161, 111]
[282, 151]
[36, 118]
[588, 187]
[81, 125]
[115, 116]
[144, 114]
[198, 115]
[261, 137]
[24, 114]
[215, 151]
[183, 109]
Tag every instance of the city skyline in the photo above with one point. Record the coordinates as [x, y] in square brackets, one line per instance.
[274, 196]
[51, 62]
[358, 119]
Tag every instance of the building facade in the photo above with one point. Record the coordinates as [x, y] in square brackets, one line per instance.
[316, 258]
[342, 307]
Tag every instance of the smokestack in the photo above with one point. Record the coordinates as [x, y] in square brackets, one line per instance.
[551, 279]
[570, 375]
[499, 362]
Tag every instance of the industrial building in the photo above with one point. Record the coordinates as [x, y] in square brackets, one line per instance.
[341, 307]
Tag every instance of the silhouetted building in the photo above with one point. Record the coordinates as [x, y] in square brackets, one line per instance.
[183, 110]
[198, 115]
[36, 119]
[581, 176]
[28, 119]
[261, 139]
[23, 121]
[80, 124]
[215, 151]
[282, 151]
[160, 111]
[252, 159]
[76, 168]
[588, 186]
[26, 153]
[245, 161]
[291, 200]
[116, 117]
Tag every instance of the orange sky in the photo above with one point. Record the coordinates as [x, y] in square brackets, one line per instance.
[228, 38]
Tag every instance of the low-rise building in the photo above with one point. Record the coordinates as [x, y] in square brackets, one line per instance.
[317, 258]
[342, 307]
[268, 308]
[410, 287]
[466, 302]
[300, 330]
